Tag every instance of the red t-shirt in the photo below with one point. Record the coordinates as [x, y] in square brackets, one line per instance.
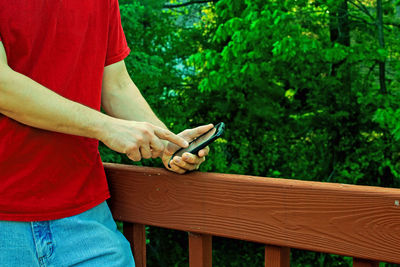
[63, 45]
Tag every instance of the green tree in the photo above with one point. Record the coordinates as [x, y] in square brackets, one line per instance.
[308, 89]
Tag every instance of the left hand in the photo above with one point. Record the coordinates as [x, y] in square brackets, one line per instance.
[188, 161]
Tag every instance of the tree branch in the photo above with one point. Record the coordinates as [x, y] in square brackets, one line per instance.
[371, 69]
[362, 8]
[391, 23]
[362, 20]
[187, 3]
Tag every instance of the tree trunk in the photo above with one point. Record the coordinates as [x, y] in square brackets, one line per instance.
[340, 97]
[340, 30]
[381, 39]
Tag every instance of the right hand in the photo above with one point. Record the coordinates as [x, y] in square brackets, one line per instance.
[138, 139]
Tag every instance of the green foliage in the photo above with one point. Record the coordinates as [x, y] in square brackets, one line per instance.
[296, 82]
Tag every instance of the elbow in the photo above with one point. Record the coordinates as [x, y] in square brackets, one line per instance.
[113, 94]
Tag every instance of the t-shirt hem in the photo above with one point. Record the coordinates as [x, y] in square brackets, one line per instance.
[54, 215]
[118, 57]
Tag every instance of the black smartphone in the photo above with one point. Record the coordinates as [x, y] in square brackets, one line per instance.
[202, 141]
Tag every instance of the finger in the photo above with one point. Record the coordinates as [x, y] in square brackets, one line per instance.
[204, 152]
[193, 159]
[145, 152]
[184, 164]
[191, 134]
[155, 154]
[134, 155]
[190, 158]
[157, 147]
[176, 168]
[169, 136]
[171, 149]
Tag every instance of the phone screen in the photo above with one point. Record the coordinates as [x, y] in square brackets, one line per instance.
[198, 141]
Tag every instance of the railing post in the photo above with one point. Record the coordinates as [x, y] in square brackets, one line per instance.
[364, 263]
[277, 256]
[200, 250]
[136, 235]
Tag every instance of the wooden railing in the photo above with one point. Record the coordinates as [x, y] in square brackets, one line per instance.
[358, 221]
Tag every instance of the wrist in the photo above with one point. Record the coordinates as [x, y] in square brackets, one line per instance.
[102, 127]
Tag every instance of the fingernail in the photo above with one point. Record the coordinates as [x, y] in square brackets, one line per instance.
[186, 143]
[177, 160]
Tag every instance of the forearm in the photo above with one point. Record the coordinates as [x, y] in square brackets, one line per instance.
[126, 102]
[28, 102]
[122, 99]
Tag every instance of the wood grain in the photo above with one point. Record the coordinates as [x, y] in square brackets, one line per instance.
[277, 256]
[200, 250]
[358, 221]
[136, 235]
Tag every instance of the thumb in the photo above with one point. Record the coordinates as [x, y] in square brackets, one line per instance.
[191, 134]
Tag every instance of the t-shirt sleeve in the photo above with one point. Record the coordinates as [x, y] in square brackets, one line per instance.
[117, 48]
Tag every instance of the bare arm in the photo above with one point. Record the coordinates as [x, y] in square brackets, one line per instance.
[122, 99]
[28, 102]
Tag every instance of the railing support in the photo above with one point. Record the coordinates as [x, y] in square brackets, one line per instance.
[277, 256]
[136, 235]
[200, 250]
[364, 263]
[351, 220]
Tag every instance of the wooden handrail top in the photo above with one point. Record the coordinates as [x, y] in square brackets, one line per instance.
[357, 221]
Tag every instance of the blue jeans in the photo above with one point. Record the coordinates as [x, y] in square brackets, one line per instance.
[88, 239]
